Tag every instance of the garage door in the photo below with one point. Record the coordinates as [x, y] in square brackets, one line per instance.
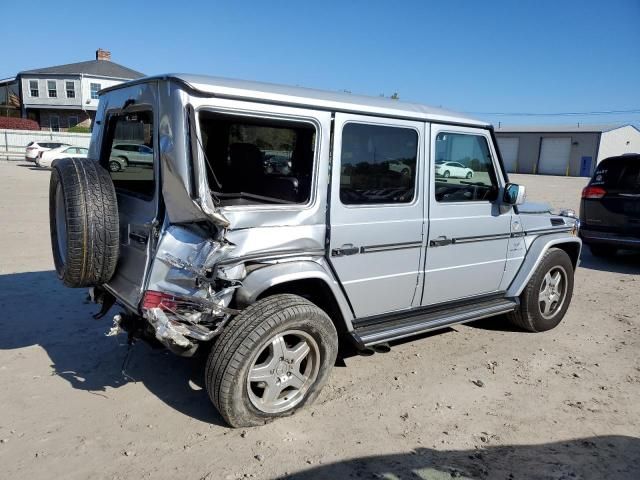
[509, 152]
[554, 156]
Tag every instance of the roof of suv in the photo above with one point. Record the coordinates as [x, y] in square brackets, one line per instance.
[308, 97]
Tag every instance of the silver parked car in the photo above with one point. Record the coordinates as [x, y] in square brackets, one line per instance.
[269, 268]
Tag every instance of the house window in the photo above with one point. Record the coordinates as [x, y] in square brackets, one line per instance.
[71, 89]
[33, 88]
[73, 121]
[95, 88]
[51, 87]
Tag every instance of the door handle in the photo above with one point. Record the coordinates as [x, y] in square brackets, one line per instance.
[441, 242]
[344, 250]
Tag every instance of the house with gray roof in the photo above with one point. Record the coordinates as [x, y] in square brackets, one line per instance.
[65, 96]
[572, 150]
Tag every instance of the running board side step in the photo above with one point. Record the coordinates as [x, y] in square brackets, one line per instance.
[398, 325]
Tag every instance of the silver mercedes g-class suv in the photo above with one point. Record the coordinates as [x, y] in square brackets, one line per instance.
[272, 221]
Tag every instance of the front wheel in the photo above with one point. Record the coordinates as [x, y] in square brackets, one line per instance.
[271, 360]
[547, 296]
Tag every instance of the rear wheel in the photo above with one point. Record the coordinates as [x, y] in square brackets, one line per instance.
[446, 174]
[271, 360]
[469, 174]
[601, 250]
[547, 296]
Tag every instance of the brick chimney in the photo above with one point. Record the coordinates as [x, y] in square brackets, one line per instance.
[103, 55]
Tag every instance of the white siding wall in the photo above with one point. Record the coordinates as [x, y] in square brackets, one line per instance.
[43, 91]
[619, 141]
[87, 101]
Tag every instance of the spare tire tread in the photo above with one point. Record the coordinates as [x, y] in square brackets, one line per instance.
[91, 223]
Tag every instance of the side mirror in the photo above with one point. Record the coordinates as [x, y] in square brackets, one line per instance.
[514, 194]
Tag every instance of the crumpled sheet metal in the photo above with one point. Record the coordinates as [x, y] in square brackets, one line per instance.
[168, 332]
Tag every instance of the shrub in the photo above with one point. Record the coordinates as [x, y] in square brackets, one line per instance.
[18, 123]
[79, 129]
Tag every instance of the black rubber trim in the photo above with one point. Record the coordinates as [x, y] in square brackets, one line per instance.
[272, 256]
[390, 246]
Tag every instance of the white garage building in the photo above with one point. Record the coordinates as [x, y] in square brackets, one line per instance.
[572, 150]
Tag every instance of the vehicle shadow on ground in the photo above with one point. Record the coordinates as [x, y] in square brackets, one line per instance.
[38, 310]
[32, 166]
[624, 261]
[605, 457]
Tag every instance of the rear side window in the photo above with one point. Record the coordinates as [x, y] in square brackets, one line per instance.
[254, 161]
[463, 169]
[378, 164]
[131, 171]
[622, 174]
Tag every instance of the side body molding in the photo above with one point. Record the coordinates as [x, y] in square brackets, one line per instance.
[536, 251]
[270, 275]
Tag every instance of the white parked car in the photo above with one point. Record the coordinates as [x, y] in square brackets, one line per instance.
[453, 169]
[35, 148]
[132, 153]
[45, 159]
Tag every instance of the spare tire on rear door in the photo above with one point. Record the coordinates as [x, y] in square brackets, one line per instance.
[83, 216]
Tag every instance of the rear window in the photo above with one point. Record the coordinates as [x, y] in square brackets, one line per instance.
[132, 173]
[618, 174]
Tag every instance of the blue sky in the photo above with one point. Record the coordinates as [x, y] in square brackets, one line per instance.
[472, 56]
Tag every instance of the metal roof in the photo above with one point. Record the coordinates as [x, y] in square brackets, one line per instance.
[99, 68]
[568, 128]
[308, 97]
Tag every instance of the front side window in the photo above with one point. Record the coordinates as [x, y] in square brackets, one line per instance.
[131, 172]
[257, 161]
[52, 88]
[95, 88]
[71, 89]
[378, 164]
[33, 88]
[463, 169]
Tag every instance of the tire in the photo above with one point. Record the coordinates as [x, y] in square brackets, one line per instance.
[469, 175]
[242, 346]
[602, 250]
[446, 174]
[530, 315]
[114, 166]
[405, 172]
[83, 219]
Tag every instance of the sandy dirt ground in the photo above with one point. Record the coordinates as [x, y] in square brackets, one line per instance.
[562, 405]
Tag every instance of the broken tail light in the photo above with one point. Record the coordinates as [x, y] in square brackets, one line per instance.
[153, 299]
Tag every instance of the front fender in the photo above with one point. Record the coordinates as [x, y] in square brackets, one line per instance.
[270, 275]
[536, 251]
